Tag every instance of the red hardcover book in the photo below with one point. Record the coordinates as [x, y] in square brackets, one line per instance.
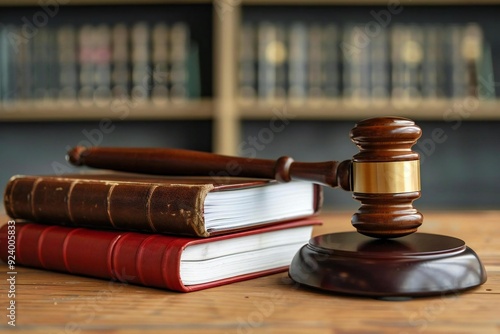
[162, 261]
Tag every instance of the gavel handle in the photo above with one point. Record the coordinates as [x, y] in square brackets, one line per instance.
[161, 161]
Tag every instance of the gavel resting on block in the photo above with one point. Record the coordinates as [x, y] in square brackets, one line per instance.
[384, 176]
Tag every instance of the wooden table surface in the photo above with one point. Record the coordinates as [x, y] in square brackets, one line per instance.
[50, 302]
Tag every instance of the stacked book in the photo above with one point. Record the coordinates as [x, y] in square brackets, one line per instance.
[94, 64]
[177, 233]
[301, 61]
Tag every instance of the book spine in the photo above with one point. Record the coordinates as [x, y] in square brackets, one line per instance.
[8, 65]
[397, 73]
[179, 62]
[413, 57]
[431, 76]
[457, 73]
[272, 56]
[141, 206]
[3, 58]
[247, 61]
[407, 65]
[141, 80]
[68, 76]
[42, 67]
[87, 66]
[472, 51]
[102, 61]
[317, 62]
[124, 256]
[194, 81]
[356, 76]
[160, 49]
[297, 63]
[24, 79]
[266, 73]
[281, 59]
[329, 62]
[120, 75]
[486, 85]
[53, 65]
[379, 69]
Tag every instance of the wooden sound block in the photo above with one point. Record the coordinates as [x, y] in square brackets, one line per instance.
[419, 264]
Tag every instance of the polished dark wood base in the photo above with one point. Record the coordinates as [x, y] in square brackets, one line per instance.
[419, 264]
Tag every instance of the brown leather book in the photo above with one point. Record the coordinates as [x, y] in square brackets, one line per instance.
[194, 206]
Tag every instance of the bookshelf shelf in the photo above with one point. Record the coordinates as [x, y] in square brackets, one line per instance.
[103, 2]
[348, 110]
[51, 111]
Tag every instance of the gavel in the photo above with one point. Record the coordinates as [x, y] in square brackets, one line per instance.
[384, 176]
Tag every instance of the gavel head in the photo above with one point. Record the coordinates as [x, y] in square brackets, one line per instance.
[385, 177]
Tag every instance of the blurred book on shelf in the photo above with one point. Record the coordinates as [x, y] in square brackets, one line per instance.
[247, 70]
[403, 64]
[95, 64]
[272, 60]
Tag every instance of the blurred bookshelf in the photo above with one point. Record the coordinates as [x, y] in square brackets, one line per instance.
[228, 71]
[55, 111]
[85, 60]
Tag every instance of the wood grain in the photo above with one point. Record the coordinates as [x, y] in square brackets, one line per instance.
[49, 302]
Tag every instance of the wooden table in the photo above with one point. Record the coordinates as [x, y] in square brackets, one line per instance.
[49, 302]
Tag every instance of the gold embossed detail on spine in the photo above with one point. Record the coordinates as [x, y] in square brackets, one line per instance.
[386, 177]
